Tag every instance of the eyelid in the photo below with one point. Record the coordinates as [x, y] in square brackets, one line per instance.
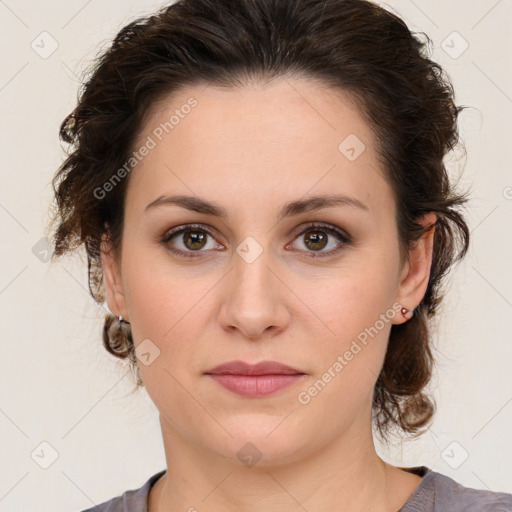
[185, 227]
[342, 234]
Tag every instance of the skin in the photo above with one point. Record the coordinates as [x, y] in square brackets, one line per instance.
[251, 150]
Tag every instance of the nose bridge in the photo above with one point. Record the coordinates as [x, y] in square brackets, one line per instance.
[252, 277]
[253, 303]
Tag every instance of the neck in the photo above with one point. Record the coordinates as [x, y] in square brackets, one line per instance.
[346, 474]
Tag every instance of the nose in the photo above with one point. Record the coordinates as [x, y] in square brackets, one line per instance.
[254, 300]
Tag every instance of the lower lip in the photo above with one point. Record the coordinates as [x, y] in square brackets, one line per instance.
[256, 385]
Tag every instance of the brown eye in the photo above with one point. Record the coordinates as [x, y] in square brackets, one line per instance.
[321, 240]
[194, 240]
[315, 240]
[190, 241]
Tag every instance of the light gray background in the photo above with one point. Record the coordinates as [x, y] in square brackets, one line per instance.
[59, 386]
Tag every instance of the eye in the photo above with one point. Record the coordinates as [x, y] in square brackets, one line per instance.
[322, 239]
[317, 240]
[186, 240]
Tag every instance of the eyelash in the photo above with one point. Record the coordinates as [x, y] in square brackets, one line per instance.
[342, 236]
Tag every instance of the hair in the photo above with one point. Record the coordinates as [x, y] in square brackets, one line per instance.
[353, 46]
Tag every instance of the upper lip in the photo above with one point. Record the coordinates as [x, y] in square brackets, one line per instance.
[261, 368]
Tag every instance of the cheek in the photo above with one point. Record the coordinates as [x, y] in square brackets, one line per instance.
[354, 298]
[349, 358]
[356, 309]
[171, 309]
[159, 295]
[167, 311]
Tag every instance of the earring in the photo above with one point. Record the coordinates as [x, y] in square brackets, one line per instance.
[121, 320]
[407, 313]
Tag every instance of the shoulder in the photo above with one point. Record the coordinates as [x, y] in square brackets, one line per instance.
[133, 500]
[438, 493]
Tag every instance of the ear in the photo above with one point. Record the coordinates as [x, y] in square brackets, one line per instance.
[112, 278]
[416, 271]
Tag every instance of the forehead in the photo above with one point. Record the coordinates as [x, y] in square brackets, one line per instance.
[283, 138]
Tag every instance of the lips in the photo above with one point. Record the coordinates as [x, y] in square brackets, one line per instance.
[262, 368]
[255, 380]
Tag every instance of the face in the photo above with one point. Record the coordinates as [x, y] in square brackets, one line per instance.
[282, 246]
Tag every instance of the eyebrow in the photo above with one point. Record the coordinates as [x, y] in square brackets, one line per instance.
[310, 204]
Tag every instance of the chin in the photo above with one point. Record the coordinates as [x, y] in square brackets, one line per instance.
[259, 440]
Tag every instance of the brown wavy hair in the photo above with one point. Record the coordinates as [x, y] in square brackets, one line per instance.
[352, 45]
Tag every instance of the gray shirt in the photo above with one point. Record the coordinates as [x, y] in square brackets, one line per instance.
[435, 493]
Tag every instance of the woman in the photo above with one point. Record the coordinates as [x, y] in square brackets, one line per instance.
[260, 189]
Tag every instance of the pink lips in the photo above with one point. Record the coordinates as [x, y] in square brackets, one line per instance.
[256, 380]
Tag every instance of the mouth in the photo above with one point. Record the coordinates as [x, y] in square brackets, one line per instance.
[262, 379]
